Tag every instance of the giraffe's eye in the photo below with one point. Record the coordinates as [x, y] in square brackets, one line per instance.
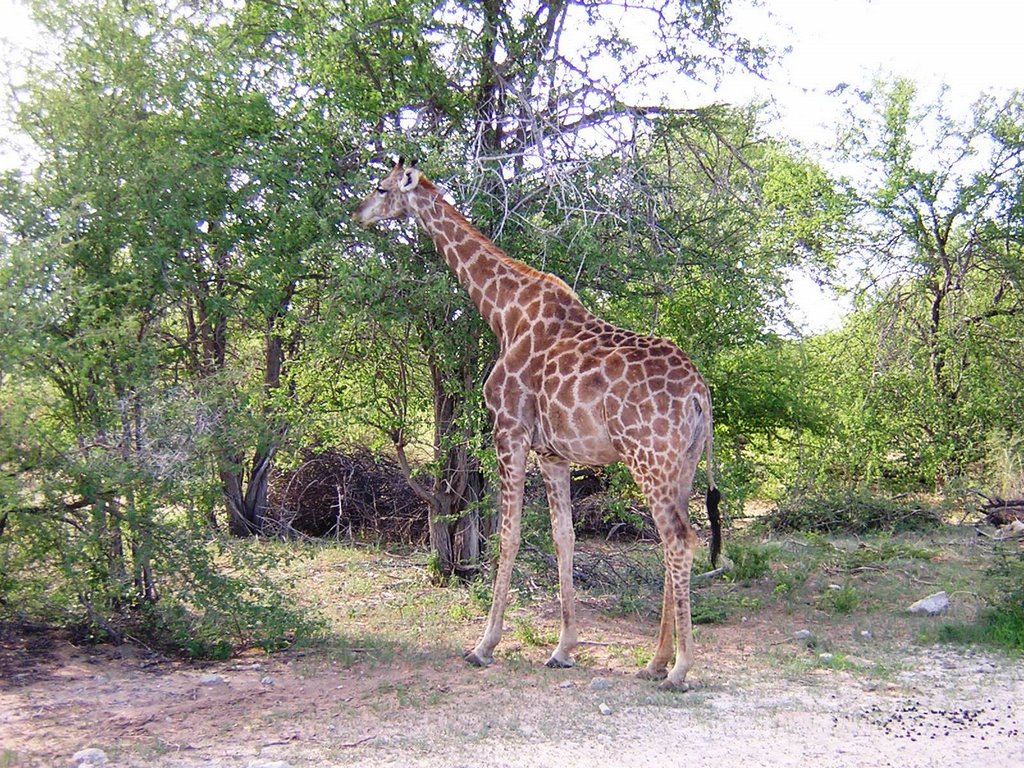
[381, 191]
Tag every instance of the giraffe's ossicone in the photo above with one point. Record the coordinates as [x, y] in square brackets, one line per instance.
[573, 389]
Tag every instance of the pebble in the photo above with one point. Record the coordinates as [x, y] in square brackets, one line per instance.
[604, 709]
[600, 684]
[262, 763]
[267, 681]
[565, 684]
[89, 756]
[212, 680]
[802, 634]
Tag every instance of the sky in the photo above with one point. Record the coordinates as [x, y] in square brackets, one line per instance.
[973, 46]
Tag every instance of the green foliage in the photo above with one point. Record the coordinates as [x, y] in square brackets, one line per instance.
[709, 608]
[921, 373]
[174, 588]
[852, 510]
[1001, 624]
[529, 635]
[751, 562]
[841, 600]
[480, 594]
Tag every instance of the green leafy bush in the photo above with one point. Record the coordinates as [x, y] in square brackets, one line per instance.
[1001, 623]
[843, 600]
[850, 511]
[750, 561]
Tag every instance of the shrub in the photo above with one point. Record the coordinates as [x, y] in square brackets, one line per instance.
[850, 511]
[842, 601]
[750, 561]
[1001, 623]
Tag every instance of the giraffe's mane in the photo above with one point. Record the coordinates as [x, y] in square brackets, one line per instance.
[488, 245]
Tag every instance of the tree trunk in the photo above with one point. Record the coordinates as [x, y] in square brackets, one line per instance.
[455, 525]
[246, 498]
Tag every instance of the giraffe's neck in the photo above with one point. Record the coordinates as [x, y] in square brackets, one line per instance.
[501, 287]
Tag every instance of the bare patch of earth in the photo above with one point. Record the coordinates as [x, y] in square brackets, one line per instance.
[760, 699]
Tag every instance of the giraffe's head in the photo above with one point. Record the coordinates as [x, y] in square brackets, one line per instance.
[390, 200]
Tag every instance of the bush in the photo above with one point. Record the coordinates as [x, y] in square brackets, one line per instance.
[1001, 623]
[750, 561]
[202, 596]
[850, 511]
[843, 600]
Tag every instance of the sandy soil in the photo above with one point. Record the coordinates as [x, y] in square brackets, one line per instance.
[760, 699]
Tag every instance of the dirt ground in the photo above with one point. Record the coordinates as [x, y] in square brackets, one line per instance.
[760, 698]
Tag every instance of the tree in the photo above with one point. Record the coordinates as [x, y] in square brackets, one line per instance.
[940, 325]
[179, 160]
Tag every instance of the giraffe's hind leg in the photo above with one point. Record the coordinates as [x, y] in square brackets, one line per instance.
[556, 480]
[667, 489]
[678, 565]
[657, 667]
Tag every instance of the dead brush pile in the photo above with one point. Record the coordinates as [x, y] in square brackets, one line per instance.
[353, 495]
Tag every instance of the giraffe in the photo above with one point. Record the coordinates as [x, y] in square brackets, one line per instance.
[573, 389]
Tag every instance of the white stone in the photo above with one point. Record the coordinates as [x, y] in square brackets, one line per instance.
[933, 605]
[604, 708]
[89, 756]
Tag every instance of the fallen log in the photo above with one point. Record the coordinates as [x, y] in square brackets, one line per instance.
[1000, 512]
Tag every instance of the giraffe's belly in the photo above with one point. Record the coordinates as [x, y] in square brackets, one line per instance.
[578, 434]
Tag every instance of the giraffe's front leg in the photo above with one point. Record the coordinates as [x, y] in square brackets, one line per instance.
[556, 480]
[512, 449]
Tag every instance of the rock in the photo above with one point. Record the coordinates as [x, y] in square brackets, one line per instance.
[933, 605]
[865, 635]
[267, 681]
[802, 634]
[565, 684]
[600, 684]
[264, 763]
[604, 709]
[826, 658]
[89, 756]
[212, 680]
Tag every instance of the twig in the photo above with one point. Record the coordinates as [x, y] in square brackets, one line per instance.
[357, 742]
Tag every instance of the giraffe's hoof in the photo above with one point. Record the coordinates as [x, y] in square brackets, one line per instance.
[652, 674]
[556, 663]
[477, 660]
[668, 685]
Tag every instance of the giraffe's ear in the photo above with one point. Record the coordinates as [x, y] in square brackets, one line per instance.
[399, 161]
[410, 179]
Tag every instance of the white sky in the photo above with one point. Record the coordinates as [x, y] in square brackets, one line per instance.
[973, 46]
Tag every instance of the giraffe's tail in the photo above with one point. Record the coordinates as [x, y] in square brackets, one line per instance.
[713, 496]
